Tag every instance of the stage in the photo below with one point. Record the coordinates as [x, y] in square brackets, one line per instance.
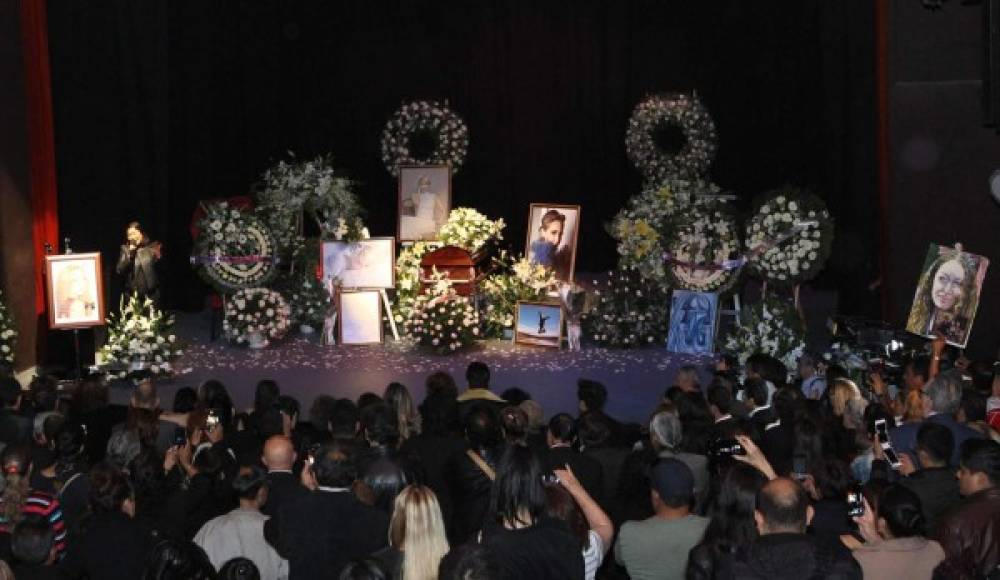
[636, 379]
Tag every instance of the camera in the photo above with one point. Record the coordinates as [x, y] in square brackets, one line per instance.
[726, 448]
[855, 504]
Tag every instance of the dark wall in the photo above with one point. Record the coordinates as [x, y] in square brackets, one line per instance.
[17, 273]
[160, 104]
[942, 156]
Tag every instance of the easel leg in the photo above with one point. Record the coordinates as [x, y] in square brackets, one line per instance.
[388, 309]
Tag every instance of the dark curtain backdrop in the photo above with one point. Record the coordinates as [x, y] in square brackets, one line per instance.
[160, 104]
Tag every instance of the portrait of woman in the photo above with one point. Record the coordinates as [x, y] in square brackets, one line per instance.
[424, 201]
[552, 232]
[74, 290]
[947, 295]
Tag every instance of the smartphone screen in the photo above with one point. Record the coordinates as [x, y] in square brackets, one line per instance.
[891, 457]
[799, 466]
[881, 431]
[180, 437]
[855, 504]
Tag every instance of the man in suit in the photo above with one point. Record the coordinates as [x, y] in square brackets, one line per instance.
[560, 438]
[758, 394]
[283, 486]
[322, 531]
[941, 399]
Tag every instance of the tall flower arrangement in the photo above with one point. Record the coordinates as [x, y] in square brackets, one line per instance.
[629, 310]
[308, 300]
[408, 279]
[769, 327]
[8, 336]
[140, 341]
[469, 229]
[442, 320]
[256, 314]
[513, 280]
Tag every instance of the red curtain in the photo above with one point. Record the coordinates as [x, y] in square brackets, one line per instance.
[41, 140]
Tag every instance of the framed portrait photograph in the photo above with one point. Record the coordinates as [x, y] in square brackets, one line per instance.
[367, 263]
[947, 294]
[538, 324]
[424, 201]
[693, 318]
[360, 317]
[75, 290]
[552, 234]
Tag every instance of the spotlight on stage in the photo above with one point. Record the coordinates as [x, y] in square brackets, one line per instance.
[995, 185]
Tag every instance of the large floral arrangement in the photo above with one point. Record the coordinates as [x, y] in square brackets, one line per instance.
[444, 136]
[781, 252]
[308, 300]
[769, 327]
[313, 188]
[139, 340]
[700, 247]
[8, 336]
[442, 320]
[469, 229]
[512, 280]
[234, 249]
[629, 310]
[686, 113]
[256, 314]
[408, 274]
[648, 225]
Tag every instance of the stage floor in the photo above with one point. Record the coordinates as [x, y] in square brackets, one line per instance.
[636, 379]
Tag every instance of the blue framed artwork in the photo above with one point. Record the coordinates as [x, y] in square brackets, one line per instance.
[693, 318]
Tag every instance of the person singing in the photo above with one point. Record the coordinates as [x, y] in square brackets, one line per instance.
[137, 264]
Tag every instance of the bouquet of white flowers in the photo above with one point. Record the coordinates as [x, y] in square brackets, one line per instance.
[139, 340]
[629, 310]
[469, 229]
[8, 336]
[513, 281]
[308, 299]
[256, 315]
[802, 255]
[408, 279]
[313, 188]
[770, 327]
[441, 319]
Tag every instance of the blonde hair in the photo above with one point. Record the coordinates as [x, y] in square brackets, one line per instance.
[417, 529]
[842, 391]
[399, 400]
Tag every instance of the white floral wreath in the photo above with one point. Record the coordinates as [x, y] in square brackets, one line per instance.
[703, 241]
[452, 136]
[8, 336]
[234, 249]
[256, 311]
[688, 114]
[783, 256]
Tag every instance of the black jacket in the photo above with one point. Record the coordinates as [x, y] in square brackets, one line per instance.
[283, 488]
[470, 493]
[937, 489]
[544, 551]
[111, 546]
[587, 469]
[319, 533]
[139, 269]
[14, 428]
[790, 557]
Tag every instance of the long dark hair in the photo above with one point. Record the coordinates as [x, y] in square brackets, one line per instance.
[518, 487]
[732, 522]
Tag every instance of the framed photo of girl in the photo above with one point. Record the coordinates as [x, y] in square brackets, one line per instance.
[369, 263]
[424, 201]
[947, 295]
[75, 290]
[552, 235]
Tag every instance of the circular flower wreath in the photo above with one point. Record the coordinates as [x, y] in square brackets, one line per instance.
[702, 240]
[314, 188]
[8, 336]
[799, 257]
[447, 130]
[256, 310]
[234, 249]
[666, 219]
[658, 112]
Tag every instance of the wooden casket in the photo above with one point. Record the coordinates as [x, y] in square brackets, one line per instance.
[465, 270]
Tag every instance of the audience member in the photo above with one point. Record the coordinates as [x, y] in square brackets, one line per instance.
[185, 400]
[657, 548]
[526, 542]
[469, 562]
[758, 396]
[363, 569]
[570, 502]
[592, 397]
[441, 382]
[439, 440]
[34, 550]
[813, 384]
[666, 435]
[397, 397]
[895, 543]
[969, 531]
[514, 422]
[239, 569]
[687, 379]
[14, 428]
[942, 397]
[934, 483]
[595, 440]
[560, 437]
[18, 500]
[177, 560]
[470, 473]
[283, 486]
[417, 539]
[515, 396]
[319, 533]
[783, 549]
[477, 377]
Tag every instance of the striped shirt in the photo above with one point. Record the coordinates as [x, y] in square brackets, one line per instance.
[44, 505]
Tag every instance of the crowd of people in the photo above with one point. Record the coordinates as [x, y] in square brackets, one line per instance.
[753, 475]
